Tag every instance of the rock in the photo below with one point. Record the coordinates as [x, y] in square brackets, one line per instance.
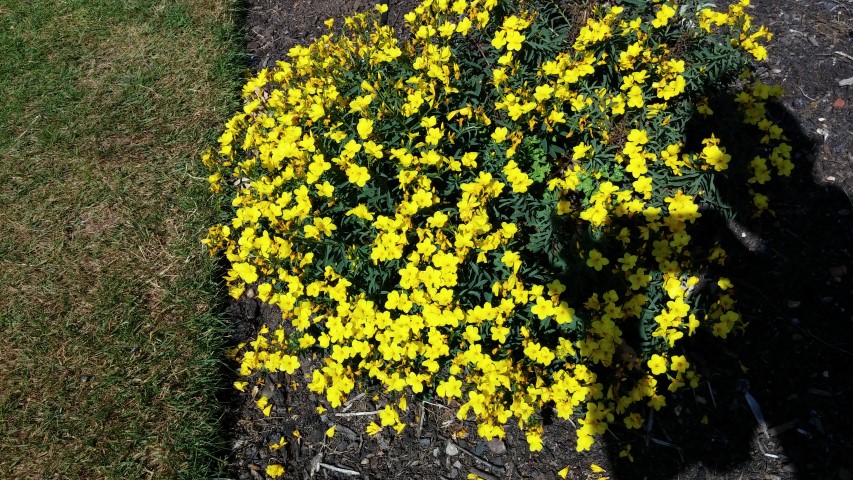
[496, 446]
[481, 448]
[451, 449]
[838, 271]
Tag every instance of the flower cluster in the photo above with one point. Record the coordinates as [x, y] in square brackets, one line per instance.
[496, 211]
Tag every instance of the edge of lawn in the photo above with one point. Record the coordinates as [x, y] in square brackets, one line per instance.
[111, 328]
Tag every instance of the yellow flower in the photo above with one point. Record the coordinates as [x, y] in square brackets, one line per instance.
[499, 333]
[360, 103]
[288, 364]
[596, 260]
[514, 40]
[325, 190]
[373, 149]
[679, 363]
[358, 175]
[543, 92]
[657, 364]
[564, 313]
[716, 157]
[543, 308]
[639, 137]
[388, 416]
[534, 440]
[361, 212]
[275, 471]
[682, 207]
[555, 288]
[500, 134]
[248, 273]
[635, 97]
[373, 429]
[511, 259]
[580, 151]
[464, 26]
[657, 402]
[634, 420]
[264, 405]
[628, 261]
[584, 442]
[639, 279]
[663, 15]
[451, 388]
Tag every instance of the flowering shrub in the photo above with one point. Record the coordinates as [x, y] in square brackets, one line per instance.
[497, 211]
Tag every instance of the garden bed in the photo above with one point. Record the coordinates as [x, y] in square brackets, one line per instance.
[794, 289]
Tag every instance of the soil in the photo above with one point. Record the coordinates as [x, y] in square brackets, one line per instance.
[793, 366]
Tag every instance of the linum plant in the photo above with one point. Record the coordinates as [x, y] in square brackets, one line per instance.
[496, 211]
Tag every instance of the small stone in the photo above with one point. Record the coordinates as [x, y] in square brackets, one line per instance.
[435, 452]
[457, 464]
[451, 449]
[838, 271]
[497, 446]
[454, 472]
[481, 448]
[425, 442]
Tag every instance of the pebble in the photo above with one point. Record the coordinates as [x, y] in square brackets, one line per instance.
[451, 449]
[496, 446]
[481, 448]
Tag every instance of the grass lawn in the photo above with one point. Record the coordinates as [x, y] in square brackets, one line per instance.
[109, 353]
